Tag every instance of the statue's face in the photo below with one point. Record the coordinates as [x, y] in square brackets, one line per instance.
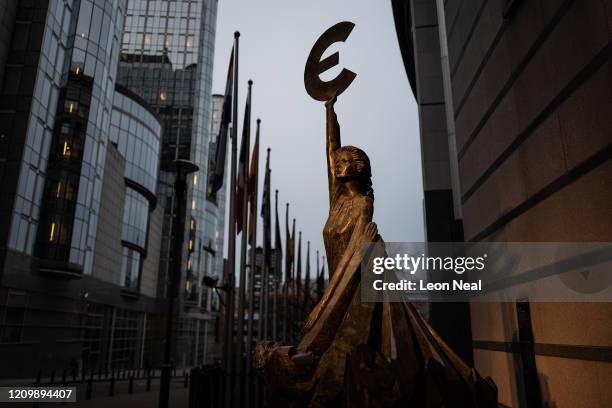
[344, 165]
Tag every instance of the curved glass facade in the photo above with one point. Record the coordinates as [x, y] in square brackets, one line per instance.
[131, 265]
[136, 132]
[50, 77]
[72, 101]
[167, 56]
[135, 218]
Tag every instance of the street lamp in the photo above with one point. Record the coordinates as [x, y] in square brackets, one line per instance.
[182, 168]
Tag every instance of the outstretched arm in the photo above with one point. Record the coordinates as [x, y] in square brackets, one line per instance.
[333, 144]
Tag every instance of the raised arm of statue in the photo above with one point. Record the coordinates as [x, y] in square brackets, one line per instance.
[333, 144]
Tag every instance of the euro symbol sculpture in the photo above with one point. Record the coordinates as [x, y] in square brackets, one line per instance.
[325, 90]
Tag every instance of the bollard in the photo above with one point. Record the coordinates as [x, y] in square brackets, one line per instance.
[89, 389]
[99, 374]
[186, 379]
[111, 388]
[149, 380]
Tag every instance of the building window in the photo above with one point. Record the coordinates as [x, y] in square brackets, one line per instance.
[71, 106]
[127, 338]
[54, 232]
[66, 149]
[130, 268]
[135, 218]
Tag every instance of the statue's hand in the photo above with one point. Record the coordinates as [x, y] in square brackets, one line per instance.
[371, 232]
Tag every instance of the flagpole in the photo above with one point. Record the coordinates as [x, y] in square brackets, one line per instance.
[298, 282]
[298, 269]
[293, 314]
[262, 322]
[266, 321]
[318, 279]
[307, 281]
[323, 275]
[318, 268]
[287, 277]
[252, 267]
[265, 293]
[243, 257]
[277, 273]
[231, 245]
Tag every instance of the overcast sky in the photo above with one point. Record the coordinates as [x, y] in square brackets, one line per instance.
[377, 113]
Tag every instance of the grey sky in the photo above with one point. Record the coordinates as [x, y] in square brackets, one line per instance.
[377, 113]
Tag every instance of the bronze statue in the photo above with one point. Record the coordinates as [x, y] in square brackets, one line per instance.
[356, 354]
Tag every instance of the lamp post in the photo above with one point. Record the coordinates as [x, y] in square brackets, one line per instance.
[182, 168]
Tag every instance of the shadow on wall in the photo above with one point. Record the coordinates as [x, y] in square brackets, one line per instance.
[545, 392]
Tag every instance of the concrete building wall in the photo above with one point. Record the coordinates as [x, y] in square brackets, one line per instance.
[150, 266]
[531, 87]
[107, 259]
[418, 26]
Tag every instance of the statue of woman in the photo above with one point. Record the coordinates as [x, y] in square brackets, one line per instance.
[356, 354]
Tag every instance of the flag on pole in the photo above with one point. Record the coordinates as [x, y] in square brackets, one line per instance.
[278, 247]
[293, 252]
[289, 250]
[228, 341]
[216, 166]
[252, 187]
[265, 213]
[298, 273]
[241, 180]
[267, 243]
[307, 278]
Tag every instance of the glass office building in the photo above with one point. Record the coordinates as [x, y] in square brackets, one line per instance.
[136, 132]
[80, 228]
[63, 153]
[166, 58]
[215, 210]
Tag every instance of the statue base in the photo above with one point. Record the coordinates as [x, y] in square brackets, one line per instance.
[382, 355]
